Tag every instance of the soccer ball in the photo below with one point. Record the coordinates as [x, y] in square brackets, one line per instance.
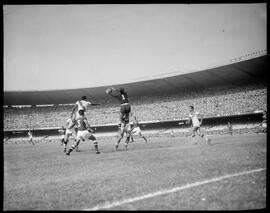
[108, 90]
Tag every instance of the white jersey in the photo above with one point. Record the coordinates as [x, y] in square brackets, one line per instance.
[69, 123]
[30, 135]
[194, 118]
[82, 104]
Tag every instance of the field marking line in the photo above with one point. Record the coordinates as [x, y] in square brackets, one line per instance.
[109, 205]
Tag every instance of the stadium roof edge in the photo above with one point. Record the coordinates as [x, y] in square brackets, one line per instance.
[247, 70]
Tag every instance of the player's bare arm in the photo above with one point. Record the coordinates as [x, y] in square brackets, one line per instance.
[73, 110]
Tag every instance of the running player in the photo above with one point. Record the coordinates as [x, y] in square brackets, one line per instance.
[84, 132]
[193, 117]
[124, 128]
[122, 97]
[30, 137]
[136, 130]
[69, 132]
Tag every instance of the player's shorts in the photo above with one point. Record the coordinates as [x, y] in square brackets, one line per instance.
[125, 108]
[264, 125]
[194, 130]
[85, 134]
[125, 128]
[69, 132]
[136, 131]
[62, 136]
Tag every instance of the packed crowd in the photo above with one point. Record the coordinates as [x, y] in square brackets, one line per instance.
[217, 101]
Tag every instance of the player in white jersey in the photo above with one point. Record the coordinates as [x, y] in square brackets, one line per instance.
[80, 105]
[84, 132]
[69, 132]
[136, 130]
[196, 124]
[30, 137]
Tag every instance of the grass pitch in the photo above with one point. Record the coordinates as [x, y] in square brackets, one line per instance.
[42, 177]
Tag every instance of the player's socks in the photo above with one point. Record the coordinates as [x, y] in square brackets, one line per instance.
[96, 147]
[126, 145]
[144, 139]
[70, 150]
[116, 146]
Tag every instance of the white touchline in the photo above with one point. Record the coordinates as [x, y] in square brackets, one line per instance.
[108, 205]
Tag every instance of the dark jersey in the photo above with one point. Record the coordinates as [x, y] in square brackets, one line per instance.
[81, 124]
[122, 97]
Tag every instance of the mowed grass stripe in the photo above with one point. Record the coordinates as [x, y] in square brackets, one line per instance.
[109, 205]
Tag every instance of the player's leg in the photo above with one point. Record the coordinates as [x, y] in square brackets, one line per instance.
[131, 137]
[127, 140]
[142, 136]
[93, 138]
[80, 135]
[65, 142]
[127, 129]
[73, 146]
[120, 136]
[32, 141]
[201, 134]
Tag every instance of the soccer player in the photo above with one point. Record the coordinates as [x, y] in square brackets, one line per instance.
[122, 97]
[69, 132]
[136, 130]
[193, 117]
[80, 105]
[30, 137]
[84, 132]
[124, 128]
[230, 129]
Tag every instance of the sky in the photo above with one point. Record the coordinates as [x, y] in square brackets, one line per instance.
[52, 47]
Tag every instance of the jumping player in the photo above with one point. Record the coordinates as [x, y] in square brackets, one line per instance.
[84, 132]
[122, 97]
[193, 117]
[124, 128]
[30, 137]
[80, 105]
[136, 130]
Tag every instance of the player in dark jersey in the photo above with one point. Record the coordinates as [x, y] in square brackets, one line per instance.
[136, 130]
[124, 128]
[84, 132]
[121, 95]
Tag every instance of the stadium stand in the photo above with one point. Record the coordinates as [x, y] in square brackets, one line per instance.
[210, 102]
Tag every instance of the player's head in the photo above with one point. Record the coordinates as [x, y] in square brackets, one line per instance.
[121, 89]
[83, 97]
[191, 108]
[81, 112]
